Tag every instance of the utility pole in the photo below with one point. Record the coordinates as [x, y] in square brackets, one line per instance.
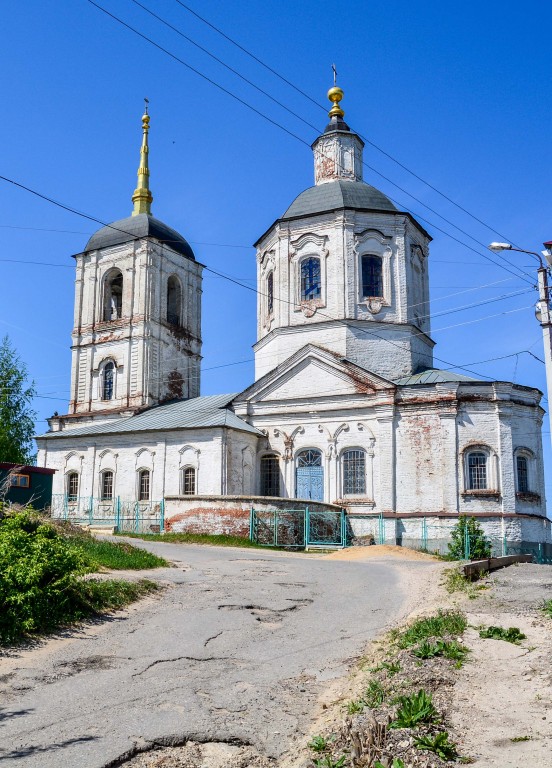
[543, 309]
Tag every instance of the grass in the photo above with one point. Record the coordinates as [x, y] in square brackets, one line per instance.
[42, 586]
[455, 581]
[439, 744]
[375, 694]
[115, 555]
[547, 608]
[221, 540]
[318, 744]
[114, 593]
[353, 707]
[517, 739]
[510, 635]
[442, 624]
[415, 710]
[449, 649]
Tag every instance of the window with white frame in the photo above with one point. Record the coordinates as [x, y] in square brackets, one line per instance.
[106, 485]
[311, 279]
[72, 485]
[144, 485]
[477, 471]
[524, 461]
[188, 481]
[270, 475]
[270, 293]
[353, 464]
[372, 276]
[108, 380]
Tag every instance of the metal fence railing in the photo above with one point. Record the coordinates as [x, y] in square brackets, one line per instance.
[298, 528]
[121, 514]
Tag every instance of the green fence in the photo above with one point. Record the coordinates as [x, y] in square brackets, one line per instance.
[436, 538]
[298, 528]
[124, 515]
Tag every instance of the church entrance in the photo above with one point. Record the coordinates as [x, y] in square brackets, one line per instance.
[309, 477]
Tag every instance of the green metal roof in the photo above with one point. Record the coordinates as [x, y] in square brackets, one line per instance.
[432, 376]
[198, 412]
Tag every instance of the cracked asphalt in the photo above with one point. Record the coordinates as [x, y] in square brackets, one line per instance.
[237, 648]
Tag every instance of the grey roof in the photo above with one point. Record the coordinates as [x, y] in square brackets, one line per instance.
[135, 227]
[208, 411]
[339, 194]
[433, 376]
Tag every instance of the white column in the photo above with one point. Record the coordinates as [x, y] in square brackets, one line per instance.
[449, 462]
[386, 442]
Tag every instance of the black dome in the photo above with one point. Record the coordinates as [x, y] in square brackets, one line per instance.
[339, 194]
[136, 227]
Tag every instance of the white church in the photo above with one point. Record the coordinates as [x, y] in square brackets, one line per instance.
[347, 409]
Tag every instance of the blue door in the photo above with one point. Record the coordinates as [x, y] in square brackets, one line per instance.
[309, 478]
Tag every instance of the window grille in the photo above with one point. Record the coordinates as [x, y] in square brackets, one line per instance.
[522, 474]
[189, 484]
[144, 482]
[270, 475]
[72, 485]
[372, 276]
[354, 473]
[174, 294]
[270, 293]
[309, 458]
[311, 286]
[107, 486]
[108, 376]
[477, 472]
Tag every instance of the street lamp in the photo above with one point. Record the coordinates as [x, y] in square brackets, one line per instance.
[543, 309]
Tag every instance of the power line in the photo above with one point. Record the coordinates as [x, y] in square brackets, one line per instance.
[522, 275]
[364, 138]
[232, 280]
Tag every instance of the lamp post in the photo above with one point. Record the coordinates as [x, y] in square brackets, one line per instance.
[543, 309]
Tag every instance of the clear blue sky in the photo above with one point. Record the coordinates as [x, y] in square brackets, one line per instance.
[456, 92]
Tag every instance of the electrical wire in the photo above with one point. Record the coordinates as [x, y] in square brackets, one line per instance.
[522, 275]
[364, 138]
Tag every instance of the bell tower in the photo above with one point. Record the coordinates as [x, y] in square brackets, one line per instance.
[136, 340]
[344, 269]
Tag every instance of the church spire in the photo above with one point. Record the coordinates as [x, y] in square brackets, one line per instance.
[142, 197]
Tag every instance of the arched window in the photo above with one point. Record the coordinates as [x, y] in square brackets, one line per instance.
[174, 300]
[113, 295]
[270, 475]
[372, 277]
[188, 481]
[106, 485]
[311, 284]
[477, 471]
[270, 293]
[108, 378]
[522, 468]
[144, 485]
[72, 486]
[354, 472]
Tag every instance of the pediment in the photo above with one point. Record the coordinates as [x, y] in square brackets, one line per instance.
[311, 373]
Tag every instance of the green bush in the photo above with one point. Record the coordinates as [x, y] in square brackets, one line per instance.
[41, 586]
[479, 545]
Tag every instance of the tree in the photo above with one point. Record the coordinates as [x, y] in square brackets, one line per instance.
[17, 417]
[467, 529]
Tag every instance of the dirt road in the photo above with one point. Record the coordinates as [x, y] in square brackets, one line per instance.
[237, 648]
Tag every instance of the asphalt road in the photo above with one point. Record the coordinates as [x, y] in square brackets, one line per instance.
[238, 647]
